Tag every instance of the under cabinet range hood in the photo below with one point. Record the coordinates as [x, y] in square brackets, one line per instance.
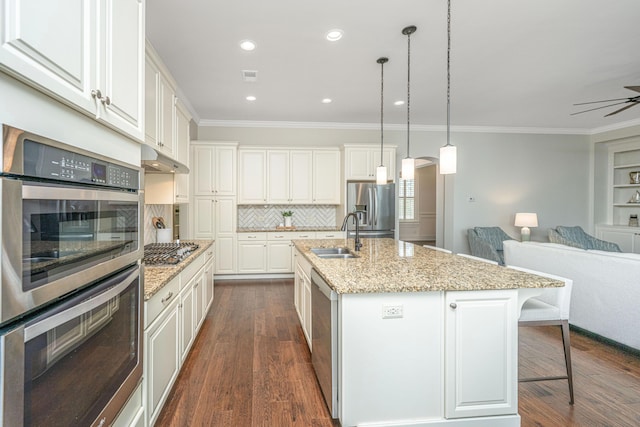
[154, 161]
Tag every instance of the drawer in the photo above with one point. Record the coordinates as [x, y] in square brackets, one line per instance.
[191, 270]
[208, 254]
[165, 296]
[279, 237]
[301, 235]
[303, 263]
[252, 236]
[331, 234]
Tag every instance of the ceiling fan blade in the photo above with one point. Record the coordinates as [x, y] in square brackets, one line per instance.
[636, 88]
[599, 108]
[622, 109]
[606, 100]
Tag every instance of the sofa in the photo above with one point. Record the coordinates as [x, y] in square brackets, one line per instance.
[486, 242]
[605, 299]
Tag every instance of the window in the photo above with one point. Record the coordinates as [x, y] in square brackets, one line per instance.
[407, 200]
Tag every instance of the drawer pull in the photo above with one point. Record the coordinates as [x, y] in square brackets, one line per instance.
[453, 305]
[167, 298]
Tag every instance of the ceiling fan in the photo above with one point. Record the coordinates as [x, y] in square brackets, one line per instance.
[634, 100]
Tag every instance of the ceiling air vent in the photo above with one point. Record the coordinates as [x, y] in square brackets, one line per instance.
[249, 75]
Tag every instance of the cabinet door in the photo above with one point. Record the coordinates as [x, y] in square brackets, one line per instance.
[306, 302]
[225, 171]
[326, 177]
[51, 45]
[122, 56]
[622, 238]
[301, 175]
[225, 254]
[252, 257]
[187, 312]
[151, 101]
[162, 359]
[198, 301]
[252, 177]
[204, 218]
[203, 170]
[278, 177]
[181, 180]
[208, 284]
[481, 349]
[636, 243]
[225, 214]
[279, 257]
[297, 291]
[359, 164]
[165, 117]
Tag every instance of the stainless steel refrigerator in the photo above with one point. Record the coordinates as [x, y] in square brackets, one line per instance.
[375, 206]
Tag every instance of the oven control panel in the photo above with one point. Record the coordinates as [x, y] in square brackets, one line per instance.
[44, 161]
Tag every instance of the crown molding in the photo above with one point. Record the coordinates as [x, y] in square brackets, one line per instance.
[395, 127]
[615, 126]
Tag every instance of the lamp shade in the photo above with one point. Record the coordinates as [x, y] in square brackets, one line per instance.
[448, 159]
[408, 166]
[526, 220]
[381, 175]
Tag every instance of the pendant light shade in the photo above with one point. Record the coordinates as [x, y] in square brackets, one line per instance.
[381, 171]
[448, 153]
[408, 163]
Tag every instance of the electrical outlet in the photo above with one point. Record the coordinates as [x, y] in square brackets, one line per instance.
[392, 311]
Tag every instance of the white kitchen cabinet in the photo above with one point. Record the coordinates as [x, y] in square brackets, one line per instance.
[162, 188]
[302, 294]
[289, 174]
[161, 344]
[481, 348]
[204, 224]
[160, 102]
[215, 219]
[132, 415]
[225, 259]
[181, 180]
[198, 301]
[628, 238]
[252, 252]
[279, 257]
[186, 309]
[252, 176]
[209, 269]
[326, 177]
[89, 56]
[214, 168]
[361, 162]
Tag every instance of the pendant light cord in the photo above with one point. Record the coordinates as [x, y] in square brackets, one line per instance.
[408, 86]
[381, 111]
[448, 69]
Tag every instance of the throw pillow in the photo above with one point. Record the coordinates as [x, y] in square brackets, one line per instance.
[494, 235]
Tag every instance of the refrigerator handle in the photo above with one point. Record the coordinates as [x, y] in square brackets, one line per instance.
[375, 206]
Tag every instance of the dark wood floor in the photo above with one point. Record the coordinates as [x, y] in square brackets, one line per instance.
[250, 366]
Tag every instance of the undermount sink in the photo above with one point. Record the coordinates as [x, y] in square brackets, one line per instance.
[334, 253]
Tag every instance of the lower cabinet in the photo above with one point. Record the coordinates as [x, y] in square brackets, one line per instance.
[628, 238]
[302, 294]
[132, 415]
[252, 253]
[481, 349]
[173, 318]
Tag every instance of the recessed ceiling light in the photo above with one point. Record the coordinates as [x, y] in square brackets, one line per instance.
[334, 35]
[326, 101]
[247, 45]
[251, 98]
[398, 103]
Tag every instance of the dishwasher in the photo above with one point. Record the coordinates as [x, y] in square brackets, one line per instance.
[324, 339]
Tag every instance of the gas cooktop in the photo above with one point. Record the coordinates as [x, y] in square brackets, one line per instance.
[168, 254]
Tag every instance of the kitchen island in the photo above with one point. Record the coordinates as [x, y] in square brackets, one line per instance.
[424, 338]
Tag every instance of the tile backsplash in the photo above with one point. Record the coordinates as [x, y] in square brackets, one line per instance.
[269, 216]
[149, 212]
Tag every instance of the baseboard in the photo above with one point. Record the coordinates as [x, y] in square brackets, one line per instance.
[608, 341]
[259, 276]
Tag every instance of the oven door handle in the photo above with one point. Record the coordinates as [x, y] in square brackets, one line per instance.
[50, 192]
[49, 323]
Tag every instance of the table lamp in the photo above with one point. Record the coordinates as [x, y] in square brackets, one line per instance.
[526, 220]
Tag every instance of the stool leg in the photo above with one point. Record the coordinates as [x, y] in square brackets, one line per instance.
[567, 356]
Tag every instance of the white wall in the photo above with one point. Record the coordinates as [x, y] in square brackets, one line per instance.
[505, 172]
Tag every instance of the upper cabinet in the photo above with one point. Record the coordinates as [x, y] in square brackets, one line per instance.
[361, 162]
[160, 100]
[181, 181]
[304, 176]
[90, 57]
[214, 168]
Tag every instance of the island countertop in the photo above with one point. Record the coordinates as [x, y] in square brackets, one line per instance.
[388, 265]
[156, 277]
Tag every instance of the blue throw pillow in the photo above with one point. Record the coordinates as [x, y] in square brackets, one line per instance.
[494, 235]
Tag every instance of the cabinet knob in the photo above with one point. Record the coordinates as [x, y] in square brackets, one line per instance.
[96, 93]
[106, 100]
[453, 305]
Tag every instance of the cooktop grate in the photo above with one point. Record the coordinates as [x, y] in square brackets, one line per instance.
[167, 253]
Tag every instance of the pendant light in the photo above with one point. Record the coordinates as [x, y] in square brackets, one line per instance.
[448, 153]
[408, 164]
[381, 172]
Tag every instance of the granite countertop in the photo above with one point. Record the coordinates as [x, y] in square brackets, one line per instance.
[156, 277]
[388, 265]
[274, 229]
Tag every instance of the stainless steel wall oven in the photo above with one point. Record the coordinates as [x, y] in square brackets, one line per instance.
[70, 291]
